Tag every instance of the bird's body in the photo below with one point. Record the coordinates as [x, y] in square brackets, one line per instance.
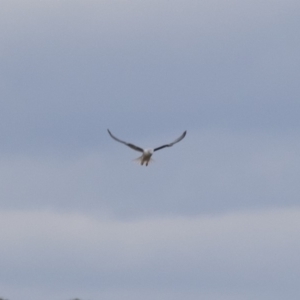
[147, 153]
[146, 157]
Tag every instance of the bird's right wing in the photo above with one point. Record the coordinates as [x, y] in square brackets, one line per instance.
[134, 147]
[171, 144]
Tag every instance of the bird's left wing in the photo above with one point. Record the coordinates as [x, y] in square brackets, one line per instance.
[134, 147]
[171, 144]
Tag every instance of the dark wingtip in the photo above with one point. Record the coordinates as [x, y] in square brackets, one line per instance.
[109, 133]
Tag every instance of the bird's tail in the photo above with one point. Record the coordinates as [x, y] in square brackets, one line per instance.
[141, 161]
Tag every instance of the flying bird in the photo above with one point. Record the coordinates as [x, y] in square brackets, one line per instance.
[147, 153]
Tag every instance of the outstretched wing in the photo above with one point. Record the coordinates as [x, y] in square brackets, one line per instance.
[125, 143]
[171, 144]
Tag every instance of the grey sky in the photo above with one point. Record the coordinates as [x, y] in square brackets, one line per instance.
[214, 217]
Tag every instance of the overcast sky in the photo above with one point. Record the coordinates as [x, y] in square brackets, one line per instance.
[217, 216]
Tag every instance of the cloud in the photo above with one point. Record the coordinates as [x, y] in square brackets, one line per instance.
[69, 70]
[213, 218]
[233, 254]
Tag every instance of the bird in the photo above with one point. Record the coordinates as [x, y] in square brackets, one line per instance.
[147, 153]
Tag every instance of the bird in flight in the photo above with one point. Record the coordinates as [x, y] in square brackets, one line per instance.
[147, 153]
